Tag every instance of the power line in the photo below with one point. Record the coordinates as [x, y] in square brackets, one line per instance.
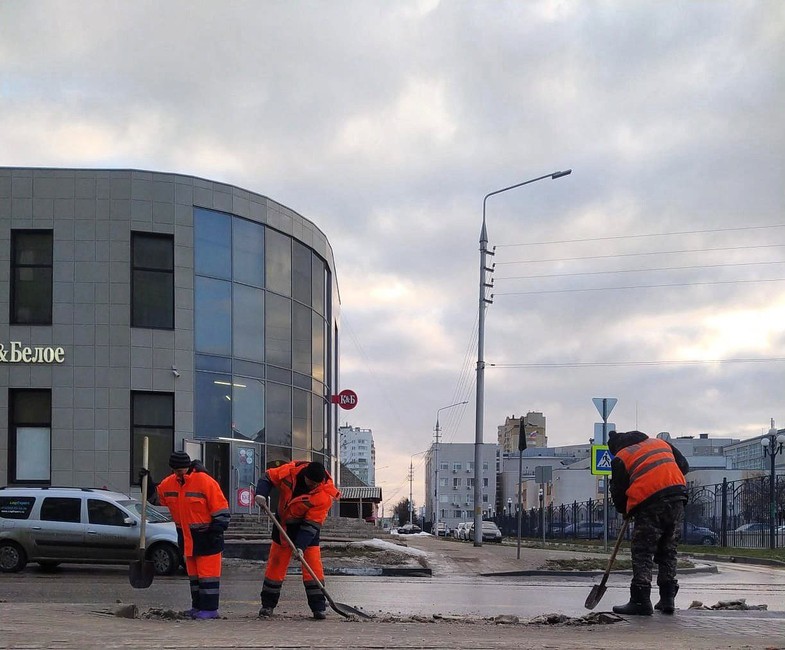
[661, 268]
[635, 286]
[686, 250]
[613, 364]
[653, 234]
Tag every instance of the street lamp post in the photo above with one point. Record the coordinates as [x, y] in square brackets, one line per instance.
[480, 403]
[773, 443]
[436, 467]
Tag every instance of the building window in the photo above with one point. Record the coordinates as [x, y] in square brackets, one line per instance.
[30, 435]
[456, 467]
[31, 277]
[456, 483]
[152, 280]
[152, 415]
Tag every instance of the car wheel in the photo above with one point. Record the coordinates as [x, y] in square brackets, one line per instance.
[12, 557]
[165, 559]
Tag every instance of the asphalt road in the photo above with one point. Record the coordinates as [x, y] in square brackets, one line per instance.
[43, 610]
[463, 595]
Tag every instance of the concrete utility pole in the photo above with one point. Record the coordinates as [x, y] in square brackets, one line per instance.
[411, 476]
[480, 396]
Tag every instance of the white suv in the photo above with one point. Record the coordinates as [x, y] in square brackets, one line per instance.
[80, 525]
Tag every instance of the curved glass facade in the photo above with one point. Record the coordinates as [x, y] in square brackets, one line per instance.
[261, 314]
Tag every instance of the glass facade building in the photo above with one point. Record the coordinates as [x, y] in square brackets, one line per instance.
[140, 304]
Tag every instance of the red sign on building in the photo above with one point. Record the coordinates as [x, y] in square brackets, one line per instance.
[346, 399]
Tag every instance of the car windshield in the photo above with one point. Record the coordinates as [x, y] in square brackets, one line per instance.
[489, 525]
[153, 516]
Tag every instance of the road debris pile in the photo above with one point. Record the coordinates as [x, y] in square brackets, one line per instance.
[739, 604]
[592, 618]
[157, 613]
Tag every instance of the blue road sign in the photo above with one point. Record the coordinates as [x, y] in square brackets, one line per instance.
[601, 460]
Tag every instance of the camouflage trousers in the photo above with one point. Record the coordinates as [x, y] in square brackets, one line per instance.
[655, 537]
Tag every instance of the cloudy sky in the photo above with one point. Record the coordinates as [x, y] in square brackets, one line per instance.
[654, 273]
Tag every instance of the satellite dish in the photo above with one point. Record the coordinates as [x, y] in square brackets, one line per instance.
[664, 435]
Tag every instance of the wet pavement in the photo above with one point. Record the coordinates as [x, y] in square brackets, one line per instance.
[63, 609]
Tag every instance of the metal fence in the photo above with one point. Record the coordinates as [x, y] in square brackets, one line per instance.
[735, 514]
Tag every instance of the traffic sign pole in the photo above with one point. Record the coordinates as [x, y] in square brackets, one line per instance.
[605, 405]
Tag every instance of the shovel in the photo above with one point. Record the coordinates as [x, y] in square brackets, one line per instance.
[343, 610]
[598, 591]
[141, 572]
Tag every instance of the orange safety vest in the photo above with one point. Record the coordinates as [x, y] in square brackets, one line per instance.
[651, 467]
[310, 507]
[192, 504]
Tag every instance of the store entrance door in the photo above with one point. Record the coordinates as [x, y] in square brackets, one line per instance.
[246, 459]
[216, 462]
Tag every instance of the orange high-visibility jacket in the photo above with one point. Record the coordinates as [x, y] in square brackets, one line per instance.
[310, 508]
[195, 504]
[652, 468]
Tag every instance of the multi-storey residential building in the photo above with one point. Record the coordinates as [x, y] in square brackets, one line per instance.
[534, 429]
[358, 453]
[454, 497]
[139, 304]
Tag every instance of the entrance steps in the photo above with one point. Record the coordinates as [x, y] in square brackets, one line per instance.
[259, 527]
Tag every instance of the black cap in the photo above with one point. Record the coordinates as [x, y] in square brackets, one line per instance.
[316, 472]
[179, 460]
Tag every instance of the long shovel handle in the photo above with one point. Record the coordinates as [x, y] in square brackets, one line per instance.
[143, 522]
[263, 502]
[611, 560]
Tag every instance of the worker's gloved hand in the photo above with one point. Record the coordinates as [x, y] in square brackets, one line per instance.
[144, 472]
[300, 555]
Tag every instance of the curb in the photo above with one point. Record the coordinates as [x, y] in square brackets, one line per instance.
[709, 568]
[401, 572]
[735, 559]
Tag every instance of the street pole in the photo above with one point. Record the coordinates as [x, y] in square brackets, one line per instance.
[521, 447]
[436, 463]
[606, 477]
[411, 476]
[480, 395]
[773, 443]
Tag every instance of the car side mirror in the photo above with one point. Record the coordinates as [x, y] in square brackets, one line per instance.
[129, 521]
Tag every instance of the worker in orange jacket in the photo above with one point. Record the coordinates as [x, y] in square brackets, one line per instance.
[201, 513]
[306, 494]
[648, 486]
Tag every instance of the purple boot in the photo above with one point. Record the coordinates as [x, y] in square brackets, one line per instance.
[206, 614]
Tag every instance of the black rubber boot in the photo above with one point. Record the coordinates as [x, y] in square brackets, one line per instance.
[667, 602]
[640, 602]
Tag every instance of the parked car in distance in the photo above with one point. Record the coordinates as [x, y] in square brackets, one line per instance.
[459, 532]
[409, 529]
[490, 532]
[699, 535]
[585, 530]
[755, 527]
[442, 529]
[52, 526]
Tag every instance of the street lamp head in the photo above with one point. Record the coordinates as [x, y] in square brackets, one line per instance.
[765, 442]
[781, 439]
[556, 175]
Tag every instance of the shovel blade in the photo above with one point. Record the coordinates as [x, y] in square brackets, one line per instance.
[348, 610]
[595, 595]
[141, 573]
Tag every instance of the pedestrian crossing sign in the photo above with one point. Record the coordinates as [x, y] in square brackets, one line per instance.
[601, 460]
